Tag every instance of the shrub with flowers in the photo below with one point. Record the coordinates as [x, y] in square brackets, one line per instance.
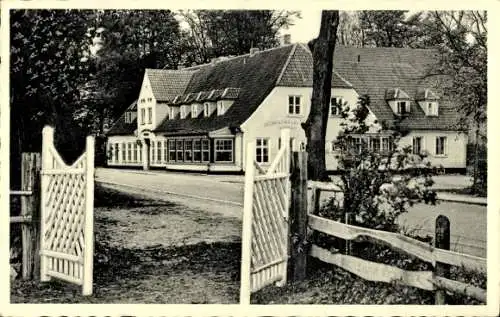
[379, 179]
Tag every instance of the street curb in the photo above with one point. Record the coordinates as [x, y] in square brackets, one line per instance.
[463, 200]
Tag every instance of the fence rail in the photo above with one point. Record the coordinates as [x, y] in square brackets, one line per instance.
[398, 241]
[440, 257]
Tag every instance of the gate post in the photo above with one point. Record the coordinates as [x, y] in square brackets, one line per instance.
[298, 217]
[47, 140]
[30, 207]
[246, 238]
[88, 257]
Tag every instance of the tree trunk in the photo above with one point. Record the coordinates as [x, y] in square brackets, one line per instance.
[322, 49]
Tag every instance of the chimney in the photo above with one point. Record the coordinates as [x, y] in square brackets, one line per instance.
[286, 39]
[253, 50]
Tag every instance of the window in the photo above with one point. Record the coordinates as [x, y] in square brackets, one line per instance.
[171, 150]
[124, 152]
[180, 150]
[128, 117]
[140, 152]
[441, 145]
[150, 99]
[197, 150]
[336, 106]
[206, 109]
[159, 152]
[224, 150]
[183, 112]
[129, 152]
[294, 105]
[386, 145]
[356, 144]
[262, 150]
[150, 115]
[402, 107]
[432, 108]
[152, 152]
[205, 150]
[172, 113]
[188, 150]
[135, 147]
[220, 108]
[194, 110]
[143, 100]
[143, 116]
[375, 144]
[417, 145]
[165, 151]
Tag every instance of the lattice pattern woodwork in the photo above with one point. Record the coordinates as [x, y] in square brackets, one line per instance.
[269, 232]
[265, 223]
[66, 204]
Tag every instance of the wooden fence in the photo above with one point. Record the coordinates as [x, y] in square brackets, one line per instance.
[30, 213]
[438, 255]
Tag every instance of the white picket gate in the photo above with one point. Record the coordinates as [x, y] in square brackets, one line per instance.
[265, 221]
[67, 203]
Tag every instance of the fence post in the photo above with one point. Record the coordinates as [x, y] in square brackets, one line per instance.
[246, 236]
[30, 170]
[442, 241]
[347, 221]
[88, 257]
[298, 217]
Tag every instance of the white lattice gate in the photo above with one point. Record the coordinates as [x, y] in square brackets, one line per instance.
[265, 221]
[67, 202]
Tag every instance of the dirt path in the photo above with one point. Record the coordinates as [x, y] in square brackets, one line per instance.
[152, 251]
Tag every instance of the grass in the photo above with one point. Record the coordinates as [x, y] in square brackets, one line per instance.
[329, 284]
[133, 265]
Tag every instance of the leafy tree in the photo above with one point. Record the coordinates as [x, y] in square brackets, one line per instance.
[47, 47]
[461, 37]
[350, 32]
[378, 185]
[128, 42]
[322, 49]
[390, 28]
[214, 33]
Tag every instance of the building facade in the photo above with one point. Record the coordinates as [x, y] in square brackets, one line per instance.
[201, 118]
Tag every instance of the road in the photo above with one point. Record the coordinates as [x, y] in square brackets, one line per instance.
[224, 194]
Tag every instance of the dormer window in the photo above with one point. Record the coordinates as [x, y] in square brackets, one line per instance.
[185, 111]
[194, 110]
[428, 101]
[206, 109]
[432, 108]
[402, 107]
[220, 108]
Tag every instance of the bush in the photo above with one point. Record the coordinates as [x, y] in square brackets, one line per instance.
[379, 180]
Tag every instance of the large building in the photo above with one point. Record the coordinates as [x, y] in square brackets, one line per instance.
[201, 118]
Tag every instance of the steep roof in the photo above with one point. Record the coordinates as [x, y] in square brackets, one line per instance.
[255, 76]
[380, 69]
[120, 127]
[299, 71]
[166, 84]
[250, 78]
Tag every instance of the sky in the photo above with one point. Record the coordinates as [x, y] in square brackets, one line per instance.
[305, 29]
